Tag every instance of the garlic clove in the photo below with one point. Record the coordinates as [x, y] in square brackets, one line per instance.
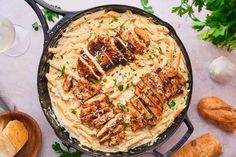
[222, 69]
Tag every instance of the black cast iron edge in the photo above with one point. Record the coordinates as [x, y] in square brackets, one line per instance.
[67, 16]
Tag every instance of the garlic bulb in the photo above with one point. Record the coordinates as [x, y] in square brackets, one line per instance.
[222, 69]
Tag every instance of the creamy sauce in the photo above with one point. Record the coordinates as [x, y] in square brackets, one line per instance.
[162, 51]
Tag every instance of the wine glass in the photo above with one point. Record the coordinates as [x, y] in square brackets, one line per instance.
[14, 39]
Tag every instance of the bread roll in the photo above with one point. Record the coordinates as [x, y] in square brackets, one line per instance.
[204, 146]
[12, 138]
[218, 112]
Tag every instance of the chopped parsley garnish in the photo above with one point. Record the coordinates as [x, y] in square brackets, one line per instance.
[123, 24]
[36, 26]
[123, 107]
[63, 69]
[150, 116]
[61, 56]
[74, 111]
[160, 50]
[50, 89]
[104, 80]
[92, 80]
[172, 104]
[115, 19]
[121, 87]
[146, 6]
[146, 92]
[128, 85]
[132, 20]
[151, 57]
[100, 24]
[126, 124]
[99, 58]
[115, 81]
[153, 94]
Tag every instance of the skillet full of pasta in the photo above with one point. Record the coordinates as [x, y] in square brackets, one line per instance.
[118, 81]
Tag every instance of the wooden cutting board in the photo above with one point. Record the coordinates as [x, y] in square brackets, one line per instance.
[32, 147]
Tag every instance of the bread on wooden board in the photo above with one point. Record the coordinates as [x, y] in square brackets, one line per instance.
[218, 112]
[12, 138]
[204, 146]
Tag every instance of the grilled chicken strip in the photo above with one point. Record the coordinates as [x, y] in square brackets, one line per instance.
[114, 136]
[122, 48]
[133, 44]
[67, 84]
[96, 48]
[156, 87]
[149, 99]
[90, 63]
[85, 70]
[96, 100]
[147, 102]
[142, 34]
[112, 52]
[85, 90]
[117, 138]
[111, 125]
[137, 121]
[97, 115]
[138, 105]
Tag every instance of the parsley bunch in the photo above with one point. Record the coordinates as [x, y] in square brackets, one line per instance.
[219, 26]
[65, 153]
[49, 15]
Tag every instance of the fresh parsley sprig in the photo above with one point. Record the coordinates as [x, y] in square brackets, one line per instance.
[65, 153]
[146, 6]
[219, 26]
[49, 15]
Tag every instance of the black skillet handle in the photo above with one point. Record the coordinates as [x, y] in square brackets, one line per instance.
[34, 4]
[180, 143]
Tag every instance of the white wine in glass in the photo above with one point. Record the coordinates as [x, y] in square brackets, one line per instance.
[14, 39]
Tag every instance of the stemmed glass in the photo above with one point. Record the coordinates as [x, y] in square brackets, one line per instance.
[14, 39]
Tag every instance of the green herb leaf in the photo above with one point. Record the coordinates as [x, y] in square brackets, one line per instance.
[115, 19]
[123, 107]
[50, 15]
[132, 20]
[63, 69]
[63, 153]
[150, 116]
[151, 57]
[121, 87]
[153, 94]
[36, 26]
[100, 24]
[123, 24]
[104, 80]
[128, 85]
[146, 6]
[74, 111]
[219, 26]
[115, 81]
[99, 58]
[92, 80]
[172, 104]
[50, 89]
[126, 125]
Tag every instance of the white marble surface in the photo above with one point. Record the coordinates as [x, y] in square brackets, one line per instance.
[18, 75]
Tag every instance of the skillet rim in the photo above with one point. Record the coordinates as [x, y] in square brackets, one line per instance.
[53, 121]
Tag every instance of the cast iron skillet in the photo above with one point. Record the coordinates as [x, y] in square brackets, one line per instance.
[51, 37]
